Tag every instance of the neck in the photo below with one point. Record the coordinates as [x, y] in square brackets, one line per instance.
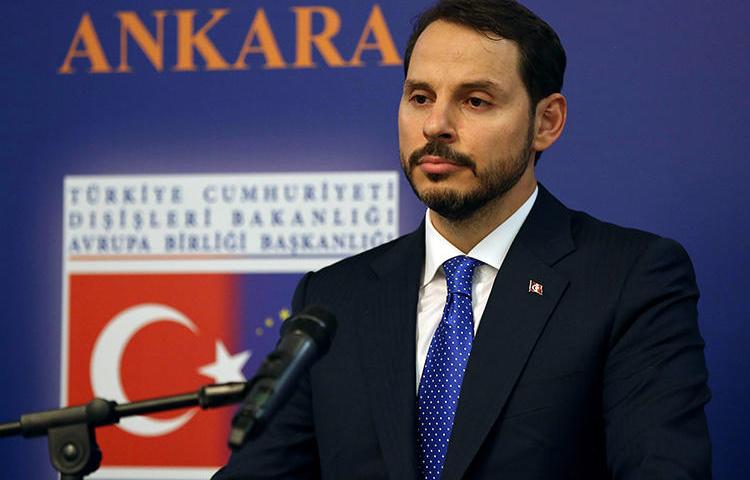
[466, 233]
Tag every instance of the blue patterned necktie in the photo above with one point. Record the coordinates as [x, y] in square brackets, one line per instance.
[444, 368]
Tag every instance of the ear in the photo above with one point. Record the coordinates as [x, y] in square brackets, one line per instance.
[549, 121]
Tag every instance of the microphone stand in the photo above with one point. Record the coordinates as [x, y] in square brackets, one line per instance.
[71, 431]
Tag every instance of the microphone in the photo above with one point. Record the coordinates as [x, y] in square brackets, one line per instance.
[304, 338]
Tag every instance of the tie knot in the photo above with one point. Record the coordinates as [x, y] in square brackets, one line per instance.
[459, 272]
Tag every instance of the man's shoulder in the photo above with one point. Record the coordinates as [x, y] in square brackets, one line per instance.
[364, 261]
[590, 232]
[605, 252]
[343, 285]
[587, 228]
[588, 236]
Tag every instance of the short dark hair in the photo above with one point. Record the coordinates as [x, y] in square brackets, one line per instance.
[542, 64]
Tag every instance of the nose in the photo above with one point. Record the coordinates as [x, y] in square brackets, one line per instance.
[439, 125]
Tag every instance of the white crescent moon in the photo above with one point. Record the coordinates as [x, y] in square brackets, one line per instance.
[107, 356]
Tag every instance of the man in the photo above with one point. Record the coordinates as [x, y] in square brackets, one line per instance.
[508, 337]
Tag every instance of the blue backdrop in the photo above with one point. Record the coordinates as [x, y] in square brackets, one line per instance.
[655, 140]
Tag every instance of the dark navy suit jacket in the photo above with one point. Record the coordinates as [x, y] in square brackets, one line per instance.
[602, 376]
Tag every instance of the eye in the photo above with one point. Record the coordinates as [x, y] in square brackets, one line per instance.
[477, 102]
[419, 99]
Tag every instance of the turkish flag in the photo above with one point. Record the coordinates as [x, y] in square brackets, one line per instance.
[137, 336]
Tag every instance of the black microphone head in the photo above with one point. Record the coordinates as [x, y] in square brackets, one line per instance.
[314, 321]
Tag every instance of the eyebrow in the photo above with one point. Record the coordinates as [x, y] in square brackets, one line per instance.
[416, 85]
[472, 85]
[482, 85]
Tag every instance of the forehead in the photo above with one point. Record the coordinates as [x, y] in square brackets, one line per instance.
[450, 51]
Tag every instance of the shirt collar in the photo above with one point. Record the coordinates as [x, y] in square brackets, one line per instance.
[491, 250]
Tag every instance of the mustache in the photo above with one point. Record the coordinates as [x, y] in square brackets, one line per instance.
[440, 149]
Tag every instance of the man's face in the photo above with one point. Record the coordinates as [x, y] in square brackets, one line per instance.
[465, 128]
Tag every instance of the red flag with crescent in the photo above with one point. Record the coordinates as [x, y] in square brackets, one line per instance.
[137, 336]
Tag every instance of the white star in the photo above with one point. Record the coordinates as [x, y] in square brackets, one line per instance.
[226, 368]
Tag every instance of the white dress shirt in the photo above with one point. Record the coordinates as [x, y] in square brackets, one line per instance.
[491, 251]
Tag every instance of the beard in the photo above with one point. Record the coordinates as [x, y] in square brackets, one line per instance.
[493, 182]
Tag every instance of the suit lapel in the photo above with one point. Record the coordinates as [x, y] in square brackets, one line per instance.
[511, 324]
[388, 352]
